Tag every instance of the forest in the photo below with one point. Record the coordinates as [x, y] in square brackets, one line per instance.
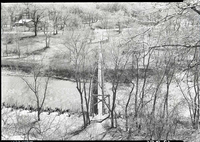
[100, 71]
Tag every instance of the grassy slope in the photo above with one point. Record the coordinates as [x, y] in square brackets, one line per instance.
[33, 45]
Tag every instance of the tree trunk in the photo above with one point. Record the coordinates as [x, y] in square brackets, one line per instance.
[136, 93]
[112, 119]
[112, 110]
[126, 108]
[38, 106]
[56, 31]
[46, 41]
[166, 101]
[6, 49]
[126, 117]
[11, 22]
[35, 29]
[145, 80]
[18, 48]
[38, 114]
[63, 30]
[197, 88]
[119, 26]
[87, 106]
[94, 97]
[82, 109]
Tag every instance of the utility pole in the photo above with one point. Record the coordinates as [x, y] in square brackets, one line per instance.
[98, 98]
[100, 112]
[101, 97]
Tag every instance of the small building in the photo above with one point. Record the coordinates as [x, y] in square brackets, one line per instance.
[23, 22]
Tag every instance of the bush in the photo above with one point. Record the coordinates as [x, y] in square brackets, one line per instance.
[62, 73]
[16, 65]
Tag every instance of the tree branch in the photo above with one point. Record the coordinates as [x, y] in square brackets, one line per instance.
[45, 91]
[175, 45]
[194, 9]
[28, 84]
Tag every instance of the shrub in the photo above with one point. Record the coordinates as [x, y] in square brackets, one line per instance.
[16, 65]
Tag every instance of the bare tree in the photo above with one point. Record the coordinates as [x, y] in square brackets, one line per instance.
[8, 39]
[36, 87]
[191, 93]
[48, 30]
[55, 17]
[17, 41]
[65, 18]
[104, 20]
[37, 14]
[90, 15]
[5, 17]
[127, 105]
[118, 65]
[11, 11]
[77, 43]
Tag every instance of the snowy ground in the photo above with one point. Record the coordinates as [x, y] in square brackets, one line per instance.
[21, 125]
[17, 123]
